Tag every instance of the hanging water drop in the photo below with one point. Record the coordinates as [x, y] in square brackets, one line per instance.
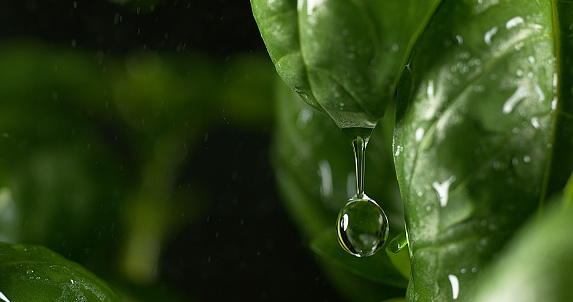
[362, 225]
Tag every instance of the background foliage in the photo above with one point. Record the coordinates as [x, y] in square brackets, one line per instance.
[134, 141]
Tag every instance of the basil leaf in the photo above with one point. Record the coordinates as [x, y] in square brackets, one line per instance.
[538, 264]
[342, 57]
[34, 273]
[474, 137]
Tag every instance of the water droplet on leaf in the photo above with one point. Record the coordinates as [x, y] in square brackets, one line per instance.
[455, 286]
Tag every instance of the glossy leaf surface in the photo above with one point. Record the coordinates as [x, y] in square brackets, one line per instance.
[34, 273]
[478, 109]
[546, 248]
[342, 57]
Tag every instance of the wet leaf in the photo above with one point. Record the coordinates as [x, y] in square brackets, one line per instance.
[480, 110]
[34, 273]
[341, 57]
[538, 264]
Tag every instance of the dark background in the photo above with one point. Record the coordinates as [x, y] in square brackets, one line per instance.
[243, 247]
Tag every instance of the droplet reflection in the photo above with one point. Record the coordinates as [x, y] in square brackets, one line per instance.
[362, 227]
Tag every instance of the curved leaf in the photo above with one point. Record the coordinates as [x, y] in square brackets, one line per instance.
[342, 57]
[474, 136]
[547, 250]
[34, 273]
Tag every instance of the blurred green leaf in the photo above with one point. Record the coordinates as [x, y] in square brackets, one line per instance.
[91, 147]
[63, 173]
[475, 134]
[34, 273]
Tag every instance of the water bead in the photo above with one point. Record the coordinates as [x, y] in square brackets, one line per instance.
[362, 227]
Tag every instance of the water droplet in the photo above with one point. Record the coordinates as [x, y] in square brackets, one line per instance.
[30, 271]
[535, 122]
[539, 93]
[443, 189]
[519, 94]
[526, 159]
[460, 39]
[489, 34]
[19, 247]
[398, 243]
[554, 104]
[398, 150]
[455, 286]
[362, 227]
[513, 22]
[519, 73]
[419, 134]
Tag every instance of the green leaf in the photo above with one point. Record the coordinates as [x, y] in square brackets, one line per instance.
[34, 273]
[538, 264]
[63, 183]
[342, 57]
[377, 268]
[315, 173]
[476, 124]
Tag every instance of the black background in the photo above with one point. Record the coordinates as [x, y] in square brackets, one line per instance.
[244, 247]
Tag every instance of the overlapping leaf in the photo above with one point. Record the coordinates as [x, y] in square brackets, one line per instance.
[478, 110]
[538, 264]
[342, 57]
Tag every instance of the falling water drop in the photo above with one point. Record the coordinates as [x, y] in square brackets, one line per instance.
[362, 225]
